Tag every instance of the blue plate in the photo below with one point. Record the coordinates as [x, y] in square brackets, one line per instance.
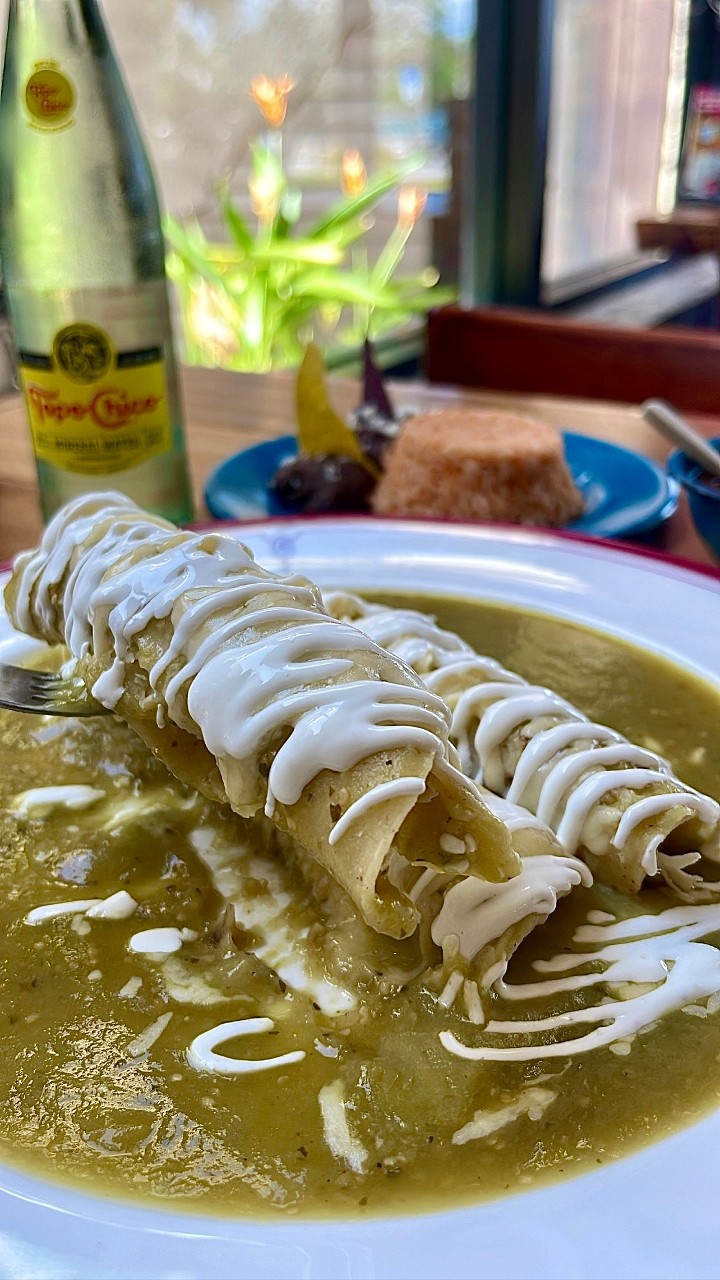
[624, 493]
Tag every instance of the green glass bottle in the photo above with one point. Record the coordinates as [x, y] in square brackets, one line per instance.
[83, 264]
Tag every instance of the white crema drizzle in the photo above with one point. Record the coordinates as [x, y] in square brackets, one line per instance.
[474, 915]
[202, 1054]
[265, 665]
[660, 952]
[567, 765]
[477, 913]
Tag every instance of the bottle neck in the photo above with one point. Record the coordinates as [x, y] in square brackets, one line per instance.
[78, 206]
[60, 23]
[25, 8]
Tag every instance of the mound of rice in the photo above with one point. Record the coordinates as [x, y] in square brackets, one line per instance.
[478, 465]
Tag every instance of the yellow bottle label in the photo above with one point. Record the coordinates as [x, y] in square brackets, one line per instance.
[91, 409]
[50, 97]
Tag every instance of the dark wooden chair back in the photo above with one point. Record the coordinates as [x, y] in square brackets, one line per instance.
[505, 349]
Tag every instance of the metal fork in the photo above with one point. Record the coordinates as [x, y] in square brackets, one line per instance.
[46, 693]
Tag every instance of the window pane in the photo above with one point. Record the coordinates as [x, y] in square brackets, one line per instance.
[615, 127]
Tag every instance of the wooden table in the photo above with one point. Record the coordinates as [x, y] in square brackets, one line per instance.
[228, 411]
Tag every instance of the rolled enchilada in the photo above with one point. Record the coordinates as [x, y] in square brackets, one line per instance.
[617, 806]
[470, 929]
[244, 686]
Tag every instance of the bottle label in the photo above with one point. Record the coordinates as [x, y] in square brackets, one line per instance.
[91, 409]
[50, 98]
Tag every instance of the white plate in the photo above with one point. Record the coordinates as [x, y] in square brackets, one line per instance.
[650, 1215]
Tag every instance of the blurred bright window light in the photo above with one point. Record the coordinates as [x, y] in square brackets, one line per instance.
[616, 116]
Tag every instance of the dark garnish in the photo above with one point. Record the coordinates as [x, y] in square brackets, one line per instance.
[375, 432]
[323, 482]
[374, 392]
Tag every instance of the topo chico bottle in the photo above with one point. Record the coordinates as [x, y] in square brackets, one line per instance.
[82, 257]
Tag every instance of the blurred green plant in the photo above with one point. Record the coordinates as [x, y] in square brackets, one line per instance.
[255, 302]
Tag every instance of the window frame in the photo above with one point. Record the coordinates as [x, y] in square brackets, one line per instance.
[510, 123]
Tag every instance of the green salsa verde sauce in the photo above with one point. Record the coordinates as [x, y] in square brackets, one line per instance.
[87, 1096]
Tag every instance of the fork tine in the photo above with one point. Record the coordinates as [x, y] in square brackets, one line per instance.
[45, 693]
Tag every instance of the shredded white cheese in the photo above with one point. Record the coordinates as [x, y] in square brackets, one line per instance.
[41, 801]
[160, 942]
[326, 1050]
[119, 906]
[78, 906]
[131, 988]
[336, 1129]
[147, 1038]
[533, 1102]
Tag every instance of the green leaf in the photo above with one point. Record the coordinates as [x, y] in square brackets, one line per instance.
[176, 232]
[235, 222]
[291, 206]
[194, 254]
[344, 234]
[226, 257]
[299, 251]
[418, 280]
[422, 298]
[349, 209]
[342, 286]
[266, 165]
[252, 322]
